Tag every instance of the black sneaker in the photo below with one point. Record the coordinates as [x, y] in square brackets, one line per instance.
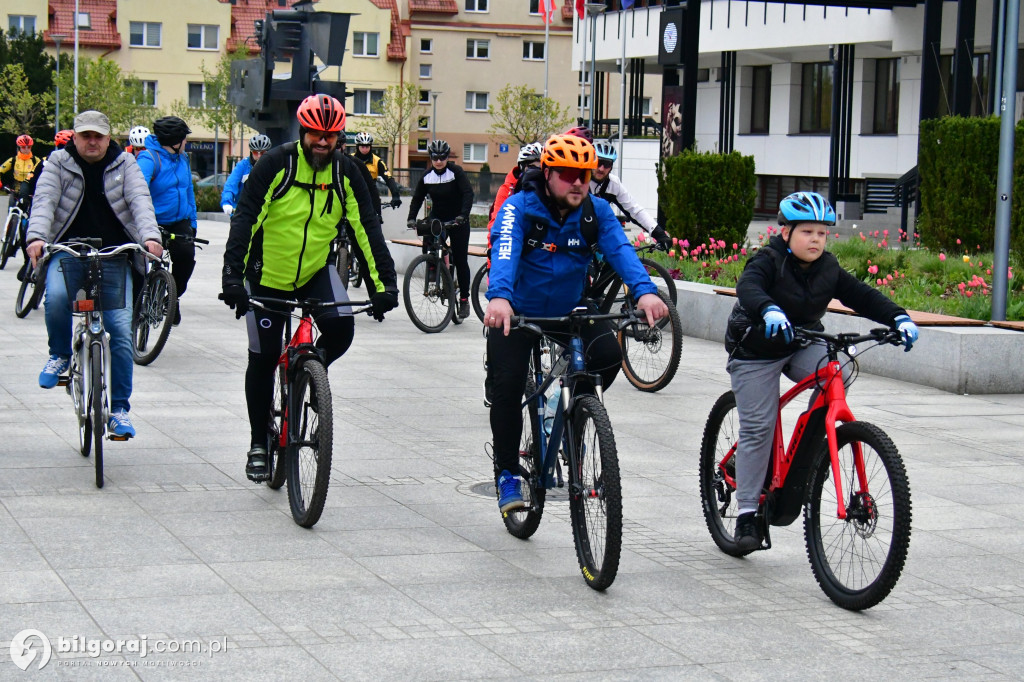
[748, 535]
[177, 317]
[257, 469]
[463, 308]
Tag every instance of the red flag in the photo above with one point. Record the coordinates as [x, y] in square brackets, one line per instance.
[580, 9]
[547, 10]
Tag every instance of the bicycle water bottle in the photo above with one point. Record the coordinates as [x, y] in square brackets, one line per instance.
[550, 409]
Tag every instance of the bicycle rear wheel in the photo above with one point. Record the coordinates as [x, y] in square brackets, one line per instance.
[310, 437]
[858, 560]
[153, 317]
[523, 522]
[595, 494]
[479, 290]
[276, 425]
[96, 403]
[9, 243]
[650, 355]
[341, 264]
[79, 397]
[717, 473]
[355, 275]
[428, 294]
[29, 293]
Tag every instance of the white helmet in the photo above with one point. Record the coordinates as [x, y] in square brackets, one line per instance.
[364, 138]
[530, 153]
[259, 143]
[137, 136]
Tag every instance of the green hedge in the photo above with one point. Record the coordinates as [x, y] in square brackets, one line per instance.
[958, 164]
[705, 195]
[207, 199]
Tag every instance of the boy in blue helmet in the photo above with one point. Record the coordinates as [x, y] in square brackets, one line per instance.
[788, 283]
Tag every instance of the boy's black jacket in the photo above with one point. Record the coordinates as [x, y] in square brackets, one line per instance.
[773, 276]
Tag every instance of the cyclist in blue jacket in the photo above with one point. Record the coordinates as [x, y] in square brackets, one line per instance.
[166, 169]
[258, 146]
[545, 278]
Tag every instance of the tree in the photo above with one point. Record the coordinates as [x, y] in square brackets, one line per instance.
[217, 112]
[401, 103]
[104, 87]
[20, 109]
[25, 50]
[524, 116]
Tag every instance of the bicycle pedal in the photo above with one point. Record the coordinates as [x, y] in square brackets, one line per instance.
[64, 381]
[112, 436]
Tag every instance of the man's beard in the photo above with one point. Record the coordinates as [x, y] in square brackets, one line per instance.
[316, 162]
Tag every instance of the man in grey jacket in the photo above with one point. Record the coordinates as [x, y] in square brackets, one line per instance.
[92, 189]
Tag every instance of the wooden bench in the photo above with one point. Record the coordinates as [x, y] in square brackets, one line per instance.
[479, 251]
[1015, 325]
[921, 319]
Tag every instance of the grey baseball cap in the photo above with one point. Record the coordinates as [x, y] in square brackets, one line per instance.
[94, 121]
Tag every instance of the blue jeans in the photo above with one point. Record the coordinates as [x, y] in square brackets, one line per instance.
[118, 323]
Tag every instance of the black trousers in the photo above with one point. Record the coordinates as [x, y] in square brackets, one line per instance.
[508, 360]
[458, 238]
[183, 254]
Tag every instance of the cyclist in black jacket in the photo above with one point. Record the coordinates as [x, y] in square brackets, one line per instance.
[451, 198]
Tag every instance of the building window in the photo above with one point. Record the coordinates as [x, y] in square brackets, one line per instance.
[476, 101]
[478, 49]
[84, 20]
[584, 77]
[143, 34]
[533, 50]
[534, 6]
[979, 87]
[423, 123]
[816, 98]
[21, 23]
[421, 144]
[148, 93]
[760, 99]
[197, 95]
[367, 102]
[364, 44]
[887, 96]
[203, 36]
[645, 109]
[425, 71]
[424, 97]
[474, 152]
[426, 45]
[583, 101]
[476, 5]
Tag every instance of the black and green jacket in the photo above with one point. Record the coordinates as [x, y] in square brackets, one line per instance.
[280, 239]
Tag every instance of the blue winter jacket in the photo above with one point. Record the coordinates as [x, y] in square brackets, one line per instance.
[170, 183]
[233, 187]
[545, 283]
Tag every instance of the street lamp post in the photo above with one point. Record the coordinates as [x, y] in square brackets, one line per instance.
[433, 115]
[76, 57]
[56, 122]
[593, 9]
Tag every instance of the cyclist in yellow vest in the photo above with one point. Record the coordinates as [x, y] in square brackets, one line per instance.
[376, 166]
[19, 169]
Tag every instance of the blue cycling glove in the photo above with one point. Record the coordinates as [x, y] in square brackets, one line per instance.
[906, 327]
[775, 321]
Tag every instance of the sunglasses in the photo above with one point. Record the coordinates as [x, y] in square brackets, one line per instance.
[605, 163]
[327, 137]
[438, 157]
[571, 175]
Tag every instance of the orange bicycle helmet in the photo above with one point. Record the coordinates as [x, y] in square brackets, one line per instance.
[24, 141]
[62, 138]
[568, 151]
[322, 113]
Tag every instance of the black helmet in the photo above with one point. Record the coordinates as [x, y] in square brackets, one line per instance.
[438, 149]
[170, 130]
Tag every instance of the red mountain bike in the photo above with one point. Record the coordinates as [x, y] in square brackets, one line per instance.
[848, 480]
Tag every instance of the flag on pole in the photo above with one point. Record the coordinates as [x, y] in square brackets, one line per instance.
[627, 4]
[580, 8]
[547, 10]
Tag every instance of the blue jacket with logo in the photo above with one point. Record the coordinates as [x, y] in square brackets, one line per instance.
[170, 183]
[233, 186]
[545, 283]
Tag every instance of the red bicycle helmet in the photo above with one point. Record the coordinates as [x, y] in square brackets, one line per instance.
[24, 141]
[62, 138]
[581, 131]
[322, 113]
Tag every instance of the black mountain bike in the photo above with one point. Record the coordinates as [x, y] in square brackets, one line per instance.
[429, 291]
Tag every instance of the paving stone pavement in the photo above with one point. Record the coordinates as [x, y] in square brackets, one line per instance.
[410, 574]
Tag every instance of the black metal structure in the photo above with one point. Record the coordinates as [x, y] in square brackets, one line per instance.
[842, 58]
[727, 101]
[963, 57]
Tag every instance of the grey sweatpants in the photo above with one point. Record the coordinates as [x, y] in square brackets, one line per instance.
[755, 384]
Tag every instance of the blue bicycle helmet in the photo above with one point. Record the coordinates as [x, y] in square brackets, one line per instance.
[806, 207]
[606, 151]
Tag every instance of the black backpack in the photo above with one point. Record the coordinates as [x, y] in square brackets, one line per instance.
[588, 227]
[288, 181]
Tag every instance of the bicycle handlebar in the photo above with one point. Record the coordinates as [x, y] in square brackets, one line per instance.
[880, 334]
[267, 303]
[575, 318]
[90, 247]
[185, 238]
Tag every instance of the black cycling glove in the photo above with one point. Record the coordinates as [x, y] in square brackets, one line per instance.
[410, 223]
[659, 235]
[396, 202]
[383, 301]
[236, 298]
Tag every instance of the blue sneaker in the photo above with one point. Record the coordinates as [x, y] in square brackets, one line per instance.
[55, 366]
[120, 425]
[510, 494]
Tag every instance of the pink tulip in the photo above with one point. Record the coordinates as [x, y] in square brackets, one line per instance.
[686, 243]
[735, 246]
[671, 253]
[872, 269]
[862, 237]
[743, 251]
[885, 232]
[942, 256]
[968, 294]
[957, 241]
[684, 253]
[988, 271]
[888, 278]
[961, 287]
[675, 241]
[878, 282]
[721, 244]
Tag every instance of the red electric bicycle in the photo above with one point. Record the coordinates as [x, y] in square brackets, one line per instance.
[849, 481]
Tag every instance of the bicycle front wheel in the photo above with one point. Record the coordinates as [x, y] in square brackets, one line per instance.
[355, 275]
[276, 425]
[310, 437]
[717, 473]
[523, 522]
[857, 560]
[152, 318]
[478, 290]
[9, 243]
[341, 264]
[79, 396]
[29, 293]
[96, 404]
[428, 294]
[656, 269]
[595, 494]
[650, 355]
